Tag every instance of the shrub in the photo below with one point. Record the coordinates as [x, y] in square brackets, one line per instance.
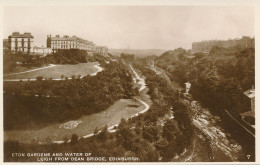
[74, 139]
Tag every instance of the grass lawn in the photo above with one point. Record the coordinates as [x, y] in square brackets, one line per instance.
[55, 72]
[20, 68]
[123, 108]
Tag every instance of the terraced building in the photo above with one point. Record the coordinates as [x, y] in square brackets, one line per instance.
[74, 42]
[206, 46]
[20, 42]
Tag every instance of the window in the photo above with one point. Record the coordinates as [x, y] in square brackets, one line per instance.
[29, 43]
[16, 44]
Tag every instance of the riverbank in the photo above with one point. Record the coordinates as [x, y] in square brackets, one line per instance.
[210, 135]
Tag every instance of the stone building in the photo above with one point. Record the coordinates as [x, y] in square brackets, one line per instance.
[41, 51]
[20, 42]
[206, 46]
[249, 116]
[66, 42]
[6, 45]
[101, 50]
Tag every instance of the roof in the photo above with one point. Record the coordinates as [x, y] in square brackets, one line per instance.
[74, 38]
[103, 47]
[248, 114]
[18, 35]
[63, 38]
[250, 93]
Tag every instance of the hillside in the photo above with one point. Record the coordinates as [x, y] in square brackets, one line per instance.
[218, 79]
[137, 52]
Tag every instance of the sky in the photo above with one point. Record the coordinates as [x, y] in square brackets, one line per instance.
[134, 27]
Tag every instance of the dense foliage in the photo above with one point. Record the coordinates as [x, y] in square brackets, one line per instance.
[63, 56]
[127, 57]
[151, 136]
[218, 79]
[67, 56]
[45, 101]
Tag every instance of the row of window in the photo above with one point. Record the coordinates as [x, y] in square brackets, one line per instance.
[63, 42]
[16, 40]
[67, 47]
[22, 45]
[63, 47]
[71, 46]
[57, 44]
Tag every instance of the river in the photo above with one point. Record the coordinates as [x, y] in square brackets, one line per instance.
[211, 142]
[221, 145]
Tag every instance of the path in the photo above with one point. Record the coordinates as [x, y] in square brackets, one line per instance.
[141, 81]
[56, 130]
[222, 148]
[112, 129]
[51, 65]
[57, 79]
[99, 70]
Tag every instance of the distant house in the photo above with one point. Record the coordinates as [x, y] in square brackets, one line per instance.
[152, 63]
[6, 45]
[101, 50]
[249, 116]
[20, 42]
[74, 42]
[67, 42]
[206, 46]
[41, 51]
[250, 93]
[187, 85]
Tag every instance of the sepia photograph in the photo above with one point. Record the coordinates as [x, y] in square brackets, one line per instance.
[128, 83]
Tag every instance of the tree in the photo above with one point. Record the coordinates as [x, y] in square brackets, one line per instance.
[125, 137]
[39, 78]
[96, 131]
[74, 139]
[103, 135]
[170, 130]
[151, 133]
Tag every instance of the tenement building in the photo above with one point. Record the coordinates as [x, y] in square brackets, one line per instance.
[6, 45]
[101, 50]
[20, 42]
[42, 51]
[206, 46]
[66, 42]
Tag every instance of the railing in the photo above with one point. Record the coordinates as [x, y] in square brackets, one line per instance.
[248, 128]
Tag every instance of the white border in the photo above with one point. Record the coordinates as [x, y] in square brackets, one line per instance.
[254, 3]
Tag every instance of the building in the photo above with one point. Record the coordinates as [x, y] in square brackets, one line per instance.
[187, 87]
[66, 42]
[101, 50]
[250, 93]
[6, 45]
[20, 42]
[249, 116]
[152, 63]
[206, 46]
[74, 42]
[41, 51]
